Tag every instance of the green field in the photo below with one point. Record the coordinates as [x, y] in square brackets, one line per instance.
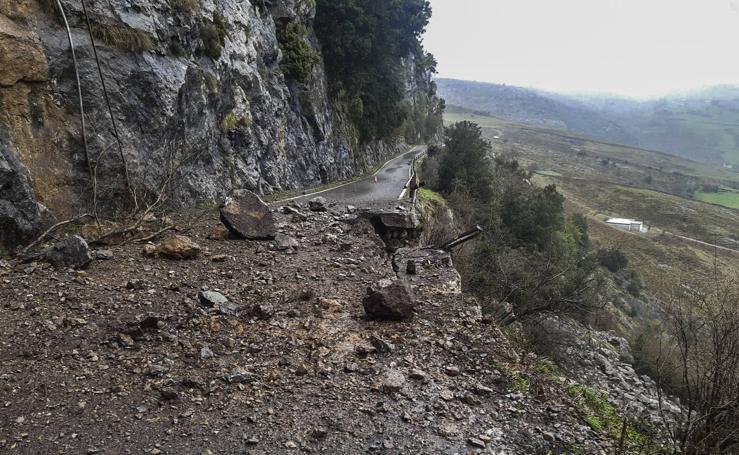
[482, 120]
[670, 213]
[726, 198]
[549, 173]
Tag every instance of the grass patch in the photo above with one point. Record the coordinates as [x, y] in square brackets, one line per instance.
[518, 383]
[207, 205]
[725, 198]
[452, 116]
[425, 194]
[602, 417]
[678, 215]
[547, 368]
[231, 122]
[125, 38]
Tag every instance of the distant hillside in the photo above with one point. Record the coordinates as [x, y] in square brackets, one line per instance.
[531, 107]
[701, 125]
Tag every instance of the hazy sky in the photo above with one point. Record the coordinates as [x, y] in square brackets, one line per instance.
[628, 47]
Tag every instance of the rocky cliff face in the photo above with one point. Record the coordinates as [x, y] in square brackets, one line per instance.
[197, 95]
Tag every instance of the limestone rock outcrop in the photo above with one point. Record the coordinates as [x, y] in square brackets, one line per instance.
[198, 95]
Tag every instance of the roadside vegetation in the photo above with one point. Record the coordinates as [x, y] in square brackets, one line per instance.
[531, 254]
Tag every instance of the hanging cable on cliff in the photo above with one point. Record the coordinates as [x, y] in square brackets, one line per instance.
[110, 110]
[79, 94]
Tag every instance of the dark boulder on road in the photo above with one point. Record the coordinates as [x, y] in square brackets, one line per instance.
[72, 252]
[247, 216]
[317, 204]
[389, 301]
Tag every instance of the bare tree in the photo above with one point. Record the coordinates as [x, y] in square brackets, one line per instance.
[704, 326]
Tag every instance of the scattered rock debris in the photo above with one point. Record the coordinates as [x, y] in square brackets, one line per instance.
[175, 247]
[165, 363]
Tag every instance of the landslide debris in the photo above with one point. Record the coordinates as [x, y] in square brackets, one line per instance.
[266, 350]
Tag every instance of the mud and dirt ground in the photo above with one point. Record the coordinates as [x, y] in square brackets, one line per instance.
[123, 358]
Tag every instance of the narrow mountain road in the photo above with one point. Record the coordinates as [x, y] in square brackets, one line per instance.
[385, 185]
[702, 243]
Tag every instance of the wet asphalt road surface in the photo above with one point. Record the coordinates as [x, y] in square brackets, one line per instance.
[384, 186]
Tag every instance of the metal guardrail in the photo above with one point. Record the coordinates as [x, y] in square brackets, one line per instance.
[463, 238]
[412, 185]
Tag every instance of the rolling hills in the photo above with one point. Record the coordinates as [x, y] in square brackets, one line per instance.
[701, 125]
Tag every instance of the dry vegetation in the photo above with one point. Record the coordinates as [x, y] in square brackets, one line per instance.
[125, 38]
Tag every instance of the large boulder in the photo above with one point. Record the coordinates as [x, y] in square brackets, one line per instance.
[389, 300]
[247, 216]
[21, 217]
[72, 252]
[399, 220]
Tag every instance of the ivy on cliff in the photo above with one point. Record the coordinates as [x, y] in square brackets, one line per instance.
[364, 44]
[299, 57]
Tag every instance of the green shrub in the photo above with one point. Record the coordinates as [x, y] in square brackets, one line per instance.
[214, 35]
[613, 259]
[231, 122]
[299, 58]
[529, 255]
[177, 49]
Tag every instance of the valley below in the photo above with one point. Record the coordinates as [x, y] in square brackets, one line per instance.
[603, 180]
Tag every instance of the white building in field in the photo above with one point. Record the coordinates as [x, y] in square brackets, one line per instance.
[628, 224]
